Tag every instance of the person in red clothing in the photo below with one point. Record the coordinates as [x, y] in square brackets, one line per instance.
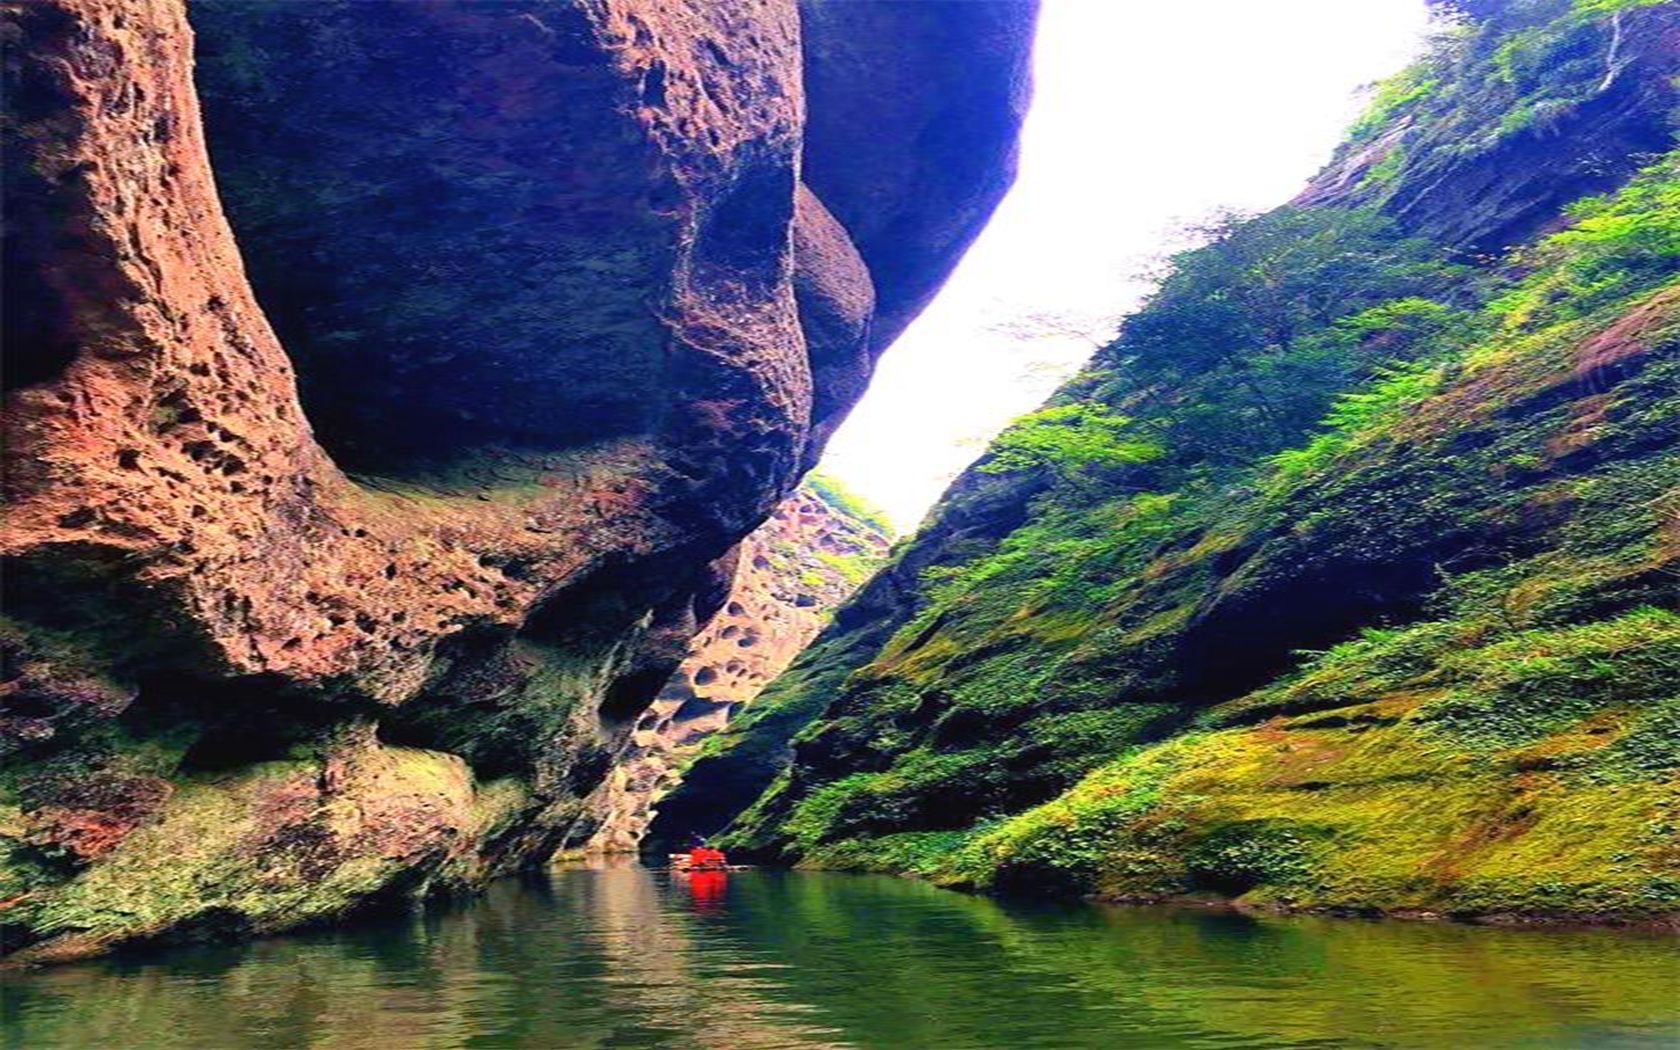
[705, 858]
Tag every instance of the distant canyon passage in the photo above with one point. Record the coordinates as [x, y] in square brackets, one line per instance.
[792, 571]
[373, 457]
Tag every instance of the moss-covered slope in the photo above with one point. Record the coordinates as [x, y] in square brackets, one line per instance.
[1344, 577]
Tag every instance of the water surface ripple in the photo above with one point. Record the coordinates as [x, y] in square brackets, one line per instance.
[628, 957]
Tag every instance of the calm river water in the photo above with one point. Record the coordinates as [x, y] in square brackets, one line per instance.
[629, 957]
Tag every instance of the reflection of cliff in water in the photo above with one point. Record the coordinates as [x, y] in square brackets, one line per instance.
[628, 957]
[605, 958]
[673, 967]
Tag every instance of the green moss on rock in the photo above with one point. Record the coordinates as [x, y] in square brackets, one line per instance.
[1414, 653]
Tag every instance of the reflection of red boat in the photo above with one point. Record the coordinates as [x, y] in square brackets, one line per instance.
[708, 888]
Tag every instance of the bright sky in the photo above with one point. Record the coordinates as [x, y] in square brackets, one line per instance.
[1145, 115]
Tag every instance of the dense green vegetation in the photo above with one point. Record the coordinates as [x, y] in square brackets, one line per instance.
[1344, 576]
[849, 503]
[1514, 109]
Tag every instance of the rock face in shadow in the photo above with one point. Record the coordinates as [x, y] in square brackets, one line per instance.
[791, 573]
[896, 149]
[432, 463]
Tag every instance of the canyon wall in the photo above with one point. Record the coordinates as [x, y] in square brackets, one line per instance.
[791, 572]
[372, 459]
[1343, 578]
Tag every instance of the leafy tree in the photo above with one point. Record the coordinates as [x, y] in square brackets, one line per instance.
[1616, 244]
[1232, 354]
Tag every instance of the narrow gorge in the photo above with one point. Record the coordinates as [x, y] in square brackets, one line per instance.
[414, 532]
[791, 572]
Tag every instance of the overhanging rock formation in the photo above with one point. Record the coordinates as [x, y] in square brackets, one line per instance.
[347, 542]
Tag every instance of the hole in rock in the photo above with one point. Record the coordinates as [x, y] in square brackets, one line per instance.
[627, 696]
[27, 705]
[697, 707]
[653, 86]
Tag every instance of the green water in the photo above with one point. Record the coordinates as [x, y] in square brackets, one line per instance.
[632, 958]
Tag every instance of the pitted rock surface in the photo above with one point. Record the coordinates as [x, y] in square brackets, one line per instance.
[792, 573]
[523, 320]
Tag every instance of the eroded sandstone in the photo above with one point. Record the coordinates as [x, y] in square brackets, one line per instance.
[791, 574]
[546, 279]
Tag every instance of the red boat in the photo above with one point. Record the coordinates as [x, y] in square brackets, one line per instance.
[700, 858]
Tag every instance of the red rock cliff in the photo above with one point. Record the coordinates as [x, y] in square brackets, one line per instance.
[347, 543]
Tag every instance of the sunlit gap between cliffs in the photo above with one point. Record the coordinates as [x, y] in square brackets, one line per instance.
[1135, 130]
